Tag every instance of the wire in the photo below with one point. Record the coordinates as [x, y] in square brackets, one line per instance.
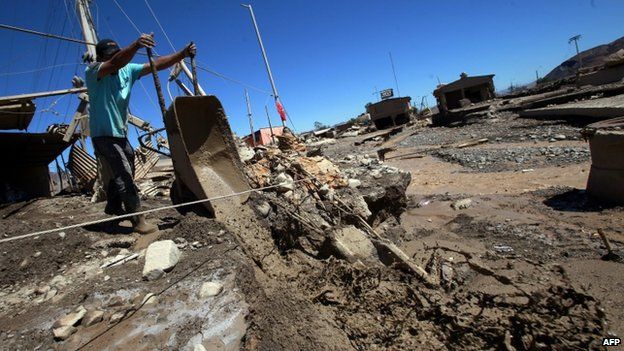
[159, 25]
[127, 17]
[128, 215]
[169, 89]
[223, 76]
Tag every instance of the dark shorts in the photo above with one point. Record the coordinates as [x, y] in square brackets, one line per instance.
[119, 155]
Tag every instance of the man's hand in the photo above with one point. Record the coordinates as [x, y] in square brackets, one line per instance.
[190, 50]
[146, 41]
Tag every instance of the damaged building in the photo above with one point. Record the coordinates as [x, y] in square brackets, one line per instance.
[390, 112]
[464, 91]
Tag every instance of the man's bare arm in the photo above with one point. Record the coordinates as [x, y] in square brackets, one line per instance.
[124, 56]
[167, 61]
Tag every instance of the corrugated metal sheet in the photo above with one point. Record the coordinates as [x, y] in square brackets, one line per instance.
[144, 161]
[82, 166]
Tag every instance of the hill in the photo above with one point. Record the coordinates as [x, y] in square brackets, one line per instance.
[592, 57]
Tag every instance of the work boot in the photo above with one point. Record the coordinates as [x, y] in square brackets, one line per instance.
[142, 226]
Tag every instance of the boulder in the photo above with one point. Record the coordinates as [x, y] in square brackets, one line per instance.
[160, 257]
[71, 319]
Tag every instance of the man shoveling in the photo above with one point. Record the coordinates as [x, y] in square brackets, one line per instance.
[109, 83]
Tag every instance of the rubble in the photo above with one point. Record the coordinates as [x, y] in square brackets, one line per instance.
[461, 204]
[160, 257]
[71, 319]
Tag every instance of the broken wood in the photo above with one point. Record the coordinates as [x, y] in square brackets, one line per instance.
[472, 143]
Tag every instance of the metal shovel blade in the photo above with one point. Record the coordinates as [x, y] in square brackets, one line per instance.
[204, 154]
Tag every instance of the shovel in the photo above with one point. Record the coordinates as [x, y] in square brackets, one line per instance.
[205, 159]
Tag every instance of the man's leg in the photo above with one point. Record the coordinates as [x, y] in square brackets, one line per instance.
[115, 152]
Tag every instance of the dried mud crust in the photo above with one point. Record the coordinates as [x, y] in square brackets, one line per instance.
[384, 309]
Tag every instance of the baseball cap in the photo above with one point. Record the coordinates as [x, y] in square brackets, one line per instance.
[106, 47]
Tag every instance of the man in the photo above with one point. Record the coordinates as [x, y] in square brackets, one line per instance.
[109, 83]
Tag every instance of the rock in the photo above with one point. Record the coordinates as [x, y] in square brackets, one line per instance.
[160, 257]
[285, 182]
[106, 277]
[37, 254]
[354, 183]
[50, 294]
[352, 244]
[263, 208]
[116, 317]
[62, 333]
[92, 317]
[210, 289]
[42, 290]
[199, 347]
[461, 204]
[246, 153]
[559, 137]
[61, 235]
[149, 299]
[71, 319]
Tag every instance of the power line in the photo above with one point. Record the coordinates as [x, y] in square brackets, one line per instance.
[159, 25]
[47, 35]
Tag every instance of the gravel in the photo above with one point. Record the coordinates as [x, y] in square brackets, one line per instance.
[515, 159]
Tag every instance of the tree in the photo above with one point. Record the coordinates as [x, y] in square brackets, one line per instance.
[318, 126]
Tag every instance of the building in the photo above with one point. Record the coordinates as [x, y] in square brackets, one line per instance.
[463, 92]
[390, 112]
[263, 136]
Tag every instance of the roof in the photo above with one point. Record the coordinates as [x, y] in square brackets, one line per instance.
[463, 83]
[16, 115]
[30, 149]
[385, 101]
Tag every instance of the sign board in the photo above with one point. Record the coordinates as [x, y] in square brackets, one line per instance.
[386, 94]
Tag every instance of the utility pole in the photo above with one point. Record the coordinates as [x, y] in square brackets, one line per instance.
[278, 104]
[575, 39]
[253, 134]
[396, 82]
[266, 108]
[86, 23]
[536, 76]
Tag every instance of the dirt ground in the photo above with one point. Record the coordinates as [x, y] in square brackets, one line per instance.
[519, 269]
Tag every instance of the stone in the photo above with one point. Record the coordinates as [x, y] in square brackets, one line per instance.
[559, 137]
[92, 317]
[210, 289]
[285, 182]
[149, 299]
[50, 294]
[42, 290]
[116, 317]
[160, 257]
[352, 244]
[354, 183]
[37, 254]
[199, 347]
[61, 235]
[263, 208]
[62, 333]
[461, 204]
[71, 319]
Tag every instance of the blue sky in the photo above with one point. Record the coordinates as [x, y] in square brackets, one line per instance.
[327, 56]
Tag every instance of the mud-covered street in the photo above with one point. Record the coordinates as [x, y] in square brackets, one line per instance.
[510, 249]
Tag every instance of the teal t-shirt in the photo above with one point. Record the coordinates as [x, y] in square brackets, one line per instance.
[109, 98]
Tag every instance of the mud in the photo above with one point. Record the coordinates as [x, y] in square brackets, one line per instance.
[519, 269]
